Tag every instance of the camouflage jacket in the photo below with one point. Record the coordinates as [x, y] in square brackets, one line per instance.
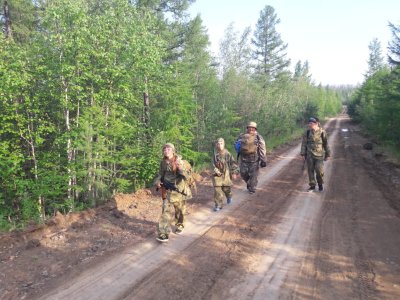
[177, 177]
[224, 165]
[315, 144]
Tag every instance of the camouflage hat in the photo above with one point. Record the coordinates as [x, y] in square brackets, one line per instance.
[252, 124]
[220, 140]
[169, 145]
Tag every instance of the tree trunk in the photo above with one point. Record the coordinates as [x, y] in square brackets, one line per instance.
[7, 21]
[70, 152]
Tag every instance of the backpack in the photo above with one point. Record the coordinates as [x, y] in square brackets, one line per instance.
[248, 143]
[188, 167]
[237, 146]
[190, 180]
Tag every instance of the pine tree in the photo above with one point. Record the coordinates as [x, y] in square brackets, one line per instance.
[301, 71]
[394, 45]
[375, 60]
[269, 50]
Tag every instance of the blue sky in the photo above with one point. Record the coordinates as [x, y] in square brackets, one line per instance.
[332, 35]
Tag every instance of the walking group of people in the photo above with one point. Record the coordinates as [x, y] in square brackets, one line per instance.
[251, 155]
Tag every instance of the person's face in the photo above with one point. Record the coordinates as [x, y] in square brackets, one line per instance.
[168, 152]
[220, 145]
[251, 129]
[312, 125]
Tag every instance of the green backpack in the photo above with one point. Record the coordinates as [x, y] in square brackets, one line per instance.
[249, 143]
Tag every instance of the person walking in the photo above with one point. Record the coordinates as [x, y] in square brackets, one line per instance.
[252, 155]
[225, 168]
[315, 150]
[171, 179]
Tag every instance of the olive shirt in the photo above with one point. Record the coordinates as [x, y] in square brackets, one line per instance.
[315, 144]
[224, 166]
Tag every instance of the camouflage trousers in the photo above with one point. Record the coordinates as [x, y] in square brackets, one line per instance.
[315, 168]
[220, 194]
[176, 209]
[249, 173]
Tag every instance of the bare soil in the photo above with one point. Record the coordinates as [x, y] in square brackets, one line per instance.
[278, 243]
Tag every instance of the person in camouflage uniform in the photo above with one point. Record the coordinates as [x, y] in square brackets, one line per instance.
[251, 158]
[171, 180]
[225, 169]
[315, 150]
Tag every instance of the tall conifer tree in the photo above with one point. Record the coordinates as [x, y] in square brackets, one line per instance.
[269, 50]
[375, 60]
[394, 45]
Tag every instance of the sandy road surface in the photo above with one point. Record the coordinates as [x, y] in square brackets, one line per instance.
[281, 242]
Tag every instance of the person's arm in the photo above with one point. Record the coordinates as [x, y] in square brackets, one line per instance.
[233, 165]
[325, 145]
[303, 149]
[262, 151]
[157, 180]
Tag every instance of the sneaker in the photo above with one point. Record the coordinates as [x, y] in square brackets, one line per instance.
[179, 229]
[252, 191]
[320, 187]
[311, 189]
[229, 200]
[217, 208]
[162, 238]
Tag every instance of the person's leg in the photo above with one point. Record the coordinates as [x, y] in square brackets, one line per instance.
[218, 197]
[244, 172]
[164, 224]
[311, 172]
[253, 174]
[180, 209]
[228, 194]
[319, 171]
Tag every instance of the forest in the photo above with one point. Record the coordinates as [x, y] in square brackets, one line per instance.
[90, 90]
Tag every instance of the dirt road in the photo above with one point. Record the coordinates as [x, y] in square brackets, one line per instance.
[281, 242]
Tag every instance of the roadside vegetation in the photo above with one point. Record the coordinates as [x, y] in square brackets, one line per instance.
[376, 103]
[91, 89]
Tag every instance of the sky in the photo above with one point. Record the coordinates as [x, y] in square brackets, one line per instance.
[332, 35]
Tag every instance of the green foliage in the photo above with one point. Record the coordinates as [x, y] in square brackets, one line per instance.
[21, 17]
[30, 209]
[376, 104]
[76, 128]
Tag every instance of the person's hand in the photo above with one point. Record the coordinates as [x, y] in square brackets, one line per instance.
[263, 164]
[326, 158]
[234, 176]
[217, 172]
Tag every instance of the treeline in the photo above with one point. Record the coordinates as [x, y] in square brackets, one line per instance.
[376, 103]
[91, 89]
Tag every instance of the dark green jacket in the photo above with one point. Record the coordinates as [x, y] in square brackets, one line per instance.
[315, 144]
